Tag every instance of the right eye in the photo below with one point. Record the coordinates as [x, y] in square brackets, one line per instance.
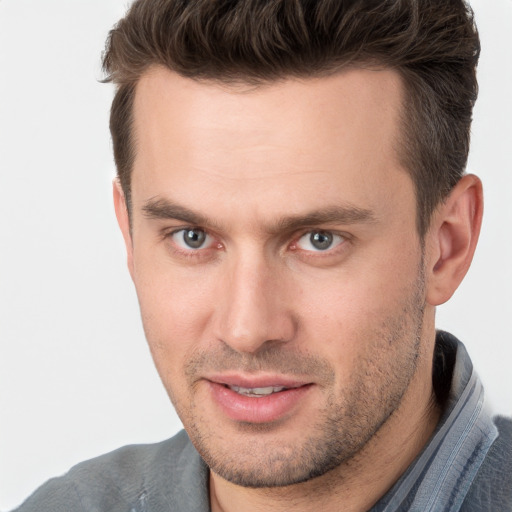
[192, 239]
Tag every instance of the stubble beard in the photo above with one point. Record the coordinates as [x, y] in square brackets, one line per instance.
[351, 418]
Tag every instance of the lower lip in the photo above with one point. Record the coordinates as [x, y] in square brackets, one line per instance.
[263, 409]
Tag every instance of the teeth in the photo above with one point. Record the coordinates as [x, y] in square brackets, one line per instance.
[257, 392]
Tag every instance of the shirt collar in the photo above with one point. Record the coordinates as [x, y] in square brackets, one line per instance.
[440, 477]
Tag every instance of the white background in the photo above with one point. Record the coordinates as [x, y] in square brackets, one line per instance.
[76, 379]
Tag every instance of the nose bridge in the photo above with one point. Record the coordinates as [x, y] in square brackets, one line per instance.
[253, 311]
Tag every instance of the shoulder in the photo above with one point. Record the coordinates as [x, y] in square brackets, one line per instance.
[492, 486]
[128, 479]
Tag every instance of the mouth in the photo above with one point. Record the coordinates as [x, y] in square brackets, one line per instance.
[258, 400]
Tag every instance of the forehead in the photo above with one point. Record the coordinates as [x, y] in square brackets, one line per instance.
[290, 141]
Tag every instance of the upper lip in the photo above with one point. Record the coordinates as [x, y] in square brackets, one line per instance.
[257, 381]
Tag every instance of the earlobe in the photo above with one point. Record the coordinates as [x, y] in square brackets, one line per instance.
[123, 219]
[452, 239]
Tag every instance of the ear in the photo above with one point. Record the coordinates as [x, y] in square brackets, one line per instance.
[452, 239]
[123, 220]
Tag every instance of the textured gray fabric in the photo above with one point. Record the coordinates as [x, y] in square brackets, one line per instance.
[491, 489]
[168, 476]
[466, 467]
[441, 476]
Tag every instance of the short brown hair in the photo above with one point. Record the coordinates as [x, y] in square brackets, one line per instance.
[432, 44]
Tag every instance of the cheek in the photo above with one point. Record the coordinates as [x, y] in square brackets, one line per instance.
[176, 306]
[345, 313]
[335, 322]
[173, 318]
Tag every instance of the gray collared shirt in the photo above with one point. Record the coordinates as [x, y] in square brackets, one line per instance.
[441, 476]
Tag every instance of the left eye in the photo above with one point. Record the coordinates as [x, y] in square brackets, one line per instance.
[319, 241]
[191, 238]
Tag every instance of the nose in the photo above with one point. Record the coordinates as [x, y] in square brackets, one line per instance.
[253, 310]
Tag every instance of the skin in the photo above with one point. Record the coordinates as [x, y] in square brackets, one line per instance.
[258, 170]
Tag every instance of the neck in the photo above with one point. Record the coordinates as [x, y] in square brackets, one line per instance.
[358, 483]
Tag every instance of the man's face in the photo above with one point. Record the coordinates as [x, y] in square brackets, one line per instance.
[277, 265]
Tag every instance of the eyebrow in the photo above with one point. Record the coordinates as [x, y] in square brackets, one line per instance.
[343, 214]
[160, 208]
[164, 209]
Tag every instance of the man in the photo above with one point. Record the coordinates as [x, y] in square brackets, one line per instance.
[292, 196]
